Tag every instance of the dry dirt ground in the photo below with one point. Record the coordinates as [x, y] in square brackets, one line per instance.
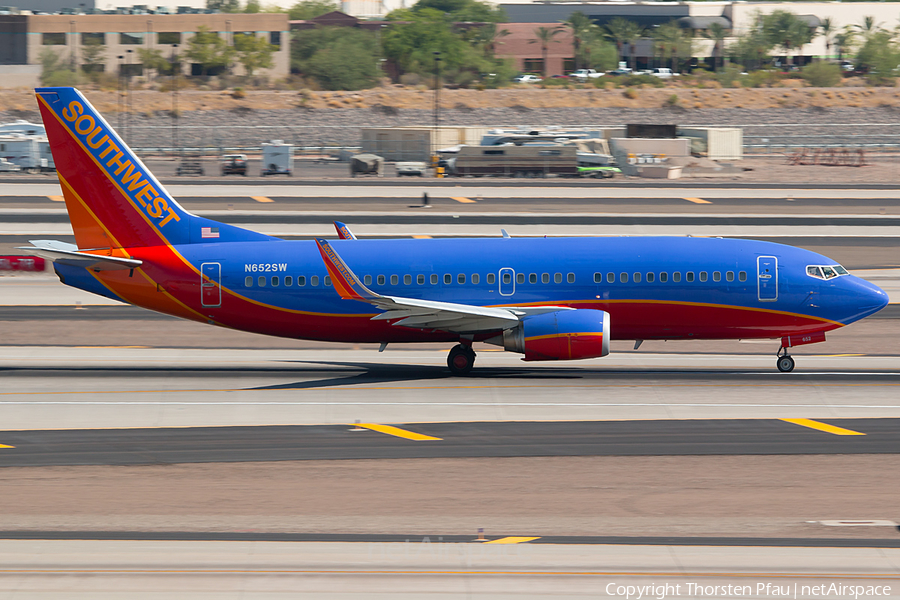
[762, 496]
[400, 97]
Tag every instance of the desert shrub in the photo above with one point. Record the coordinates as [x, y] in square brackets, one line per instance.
[672, 100]
[642, 79]
[411, 79]
[630, 93]
[758, 79]
[238, 93]
[821, 74]
[730, 76]
[555, 83]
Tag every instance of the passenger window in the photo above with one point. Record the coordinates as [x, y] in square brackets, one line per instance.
[314, 281]
[507, 278]
[689, 276]
[598, 277]
[394, 280]
[248, 281]
[448, 278]
[570, 277]
[301, 280]
[367, 280]
[703, 276]
[288, 281]
[610, 278]
[532, 278]
[520, 277]
[742, 276]
[676, 276]
[729, 276]
[717, 276]
[381, 280]
[327, 280]
[434, 279]
[407, 280]
[261, 281]
[461, 278]
[490, 279]
[420, 279]
[663, 277]
[650, 277]
[545, 278]
[557, 278]
[475, 278]
[274, 280]
[637, 277]
[623, 277]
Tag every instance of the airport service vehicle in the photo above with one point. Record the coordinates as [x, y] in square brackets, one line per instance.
[586, 74]
[234, 164]
[662, 73]
[277, 158]
[527, 79]
[515, 161]
[547, 298]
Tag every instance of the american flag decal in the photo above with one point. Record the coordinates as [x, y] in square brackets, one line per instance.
[209, 232]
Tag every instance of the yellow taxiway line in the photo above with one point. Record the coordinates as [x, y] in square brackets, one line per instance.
[262, 198]
[56, 198]
[513, 540]
[698, 200]
[396, 431]
[822, 427]
[5, 446]
[463, 200]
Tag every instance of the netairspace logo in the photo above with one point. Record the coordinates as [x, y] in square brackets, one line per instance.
[759, 589]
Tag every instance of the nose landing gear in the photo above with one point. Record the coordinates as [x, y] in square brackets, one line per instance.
[785, 362]
[461, 359]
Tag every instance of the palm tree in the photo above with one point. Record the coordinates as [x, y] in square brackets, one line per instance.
[545, 37]
[785, 29]
[582, 26]
[487, 36]
[868, 26]
[667, 40]
[828, 28]
[843, 41]
[622, 31]
[717, 33]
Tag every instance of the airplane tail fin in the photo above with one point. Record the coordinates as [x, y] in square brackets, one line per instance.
[113, 200]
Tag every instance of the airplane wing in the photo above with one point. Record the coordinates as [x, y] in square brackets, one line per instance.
[69, 254]
[423, 314]
[343, 231]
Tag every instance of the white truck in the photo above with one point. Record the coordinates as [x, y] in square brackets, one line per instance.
[586, 74]
[662, 73]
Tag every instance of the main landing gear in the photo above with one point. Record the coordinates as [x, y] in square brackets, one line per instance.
[785, 362]
[461, 359]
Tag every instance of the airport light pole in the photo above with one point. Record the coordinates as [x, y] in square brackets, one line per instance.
[437, 111]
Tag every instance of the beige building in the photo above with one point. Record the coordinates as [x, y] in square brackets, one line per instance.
[25, 37]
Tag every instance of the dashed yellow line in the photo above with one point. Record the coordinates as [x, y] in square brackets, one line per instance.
[513, 540]
[5, 446]
[262, 198]
[421, 237]
[822, 427]
[396, 431]
[56, 198]
[698, 200]
[463, 200]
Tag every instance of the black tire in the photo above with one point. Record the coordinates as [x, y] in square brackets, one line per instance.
[785, 364]
[461, 360]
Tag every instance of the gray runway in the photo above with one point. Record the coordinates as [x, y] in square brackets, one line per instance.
[162, 446]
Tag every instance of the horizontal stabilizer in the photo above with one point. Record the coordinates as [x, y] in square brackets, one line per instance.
[70, 255]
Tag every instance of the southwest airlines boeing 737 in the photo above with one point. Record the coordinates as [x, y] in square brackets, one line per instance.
[547, 298]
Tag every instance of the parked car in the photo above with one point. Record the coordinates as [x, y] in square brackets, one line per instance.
[586, 74]
[234, 164]
[560, 77]
[847, 66]
[621, 71]
[662, 73]
[528, 78]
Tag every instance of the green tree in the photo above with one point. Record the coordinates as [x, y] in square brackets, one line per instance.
[622, 32]
[844, 42]
[717, 33]
[252, 7]
[486, 37]
[473, 11]
[545, 36]
[54, 70]
[253, 52]
[411, 45]
[338, 58]
[671, 42]
[751, 49]
[304, 10]
[92, 57]
[822, 74]
[153, 60]
[599, 53]
[879, 56]
[868, 27]
[786, 30]
[209, 50]
[828, 27]
[582, 28]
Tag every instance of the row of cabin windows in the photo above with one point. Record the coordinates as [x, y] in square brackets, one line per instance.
[461, 278]
[651, 277]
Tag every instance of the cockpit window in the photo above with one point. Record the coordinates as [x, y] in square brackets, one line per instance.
[826, 271]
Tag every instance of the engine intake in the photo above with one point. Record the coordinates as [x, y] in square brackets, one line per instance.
[560, 335]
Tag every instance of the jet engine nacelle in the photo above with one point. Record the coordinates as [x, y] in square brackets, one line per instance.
[560, 335]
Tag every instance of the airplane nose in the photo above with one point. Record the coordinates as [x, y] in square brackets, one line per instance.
[871, 298]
